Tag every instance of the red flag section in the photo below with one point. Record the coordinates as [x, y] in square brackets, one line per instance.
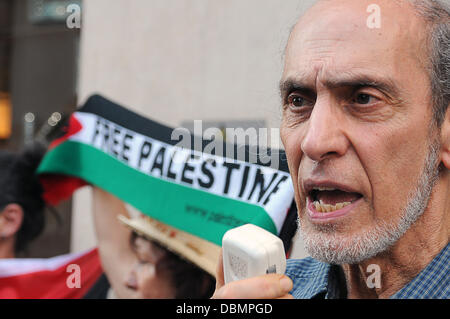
[60, 187]
[73, 128]
[63, 277]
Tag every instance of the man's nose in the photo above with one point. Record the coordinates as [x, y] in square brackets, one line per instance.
[325, 136]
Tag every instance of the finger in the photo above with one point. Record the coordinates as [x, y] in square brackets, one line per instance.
[263, 287]
[220, 281]
[288, 296]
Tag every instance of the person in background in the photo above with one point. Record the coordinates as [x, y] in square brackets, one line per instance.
[22, 216]
[138, 267]
[149, 259]
[22, 220]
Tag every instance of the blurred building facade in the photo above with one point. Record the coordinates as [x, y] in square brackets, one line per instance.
[178, 61]
[38, 74]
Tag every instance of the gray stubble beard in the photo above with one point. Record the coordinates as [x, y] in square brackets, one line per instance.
[323, 244]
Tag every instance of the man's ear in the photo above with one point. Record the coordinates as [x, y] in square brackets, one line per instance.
[445, 140]
[11, 219]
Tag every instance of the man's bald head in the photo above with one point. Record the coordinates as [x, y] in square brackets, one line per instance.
[432, 39]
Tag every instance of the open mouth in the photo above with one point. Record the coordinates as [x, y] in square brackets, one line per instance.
[327, 200]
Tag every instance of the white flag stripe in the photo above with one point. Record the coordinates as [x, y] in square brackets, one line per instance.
[20, 266]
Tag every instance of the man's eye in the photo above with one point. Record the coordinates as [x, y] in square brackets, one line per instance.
[296, 101]
[364, 99]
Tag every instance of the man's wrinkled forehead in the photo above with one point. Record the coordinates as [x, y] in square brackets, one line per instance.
[338, 33]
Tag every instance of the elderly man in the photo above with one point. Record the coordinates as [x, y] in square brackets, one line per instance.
[366, 128]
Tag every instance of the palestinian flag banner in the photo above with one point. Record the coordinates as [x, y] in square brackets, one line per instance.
[64, 277]
[179, 179]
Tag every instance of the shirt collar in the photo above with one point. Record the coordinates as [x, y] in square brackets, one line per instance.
[314, 279]
[431, 282]
[310, 278]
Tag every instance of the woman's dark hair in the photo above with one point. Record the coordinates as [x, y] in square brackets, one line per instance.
[190, 281]
[20, 185]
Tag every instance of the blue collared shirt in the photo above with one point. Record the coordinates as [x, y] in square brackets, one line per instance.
[315, 279]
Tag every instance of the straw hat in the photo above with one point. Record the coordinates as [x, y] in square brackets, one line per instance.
[198, 251]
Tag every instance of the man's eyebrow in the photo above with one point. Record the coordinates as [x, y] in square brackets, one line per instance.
[290, 85]
[385, 85]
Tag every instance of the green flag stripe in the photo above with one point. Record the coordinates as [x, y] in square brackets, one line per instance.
[195, 211]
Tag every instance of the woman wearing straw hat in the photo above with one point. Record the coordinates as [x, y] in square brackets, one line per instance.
[148, 259]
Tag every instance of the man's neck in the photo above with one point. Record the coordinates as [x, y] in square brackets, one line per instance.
[401, 263]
